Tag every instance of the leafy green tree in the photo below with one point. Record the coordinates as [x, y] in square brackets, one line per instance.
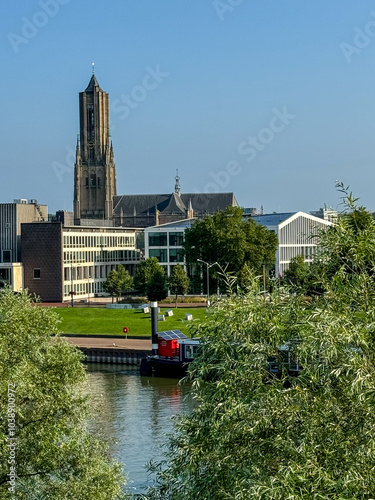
[297, 272]
[55, 456]
[126, 281]
[157, 288]
[118, 281]
[305, 434]
[143, 273]
[178, 281]
[112, 284]
[230, 241]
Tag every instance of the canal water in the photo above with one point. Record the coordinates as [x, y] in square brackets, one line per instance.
[133, 414]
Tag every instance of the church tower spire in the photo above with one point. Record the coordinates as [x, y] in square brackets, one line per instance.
[177, 187]
[94, 170]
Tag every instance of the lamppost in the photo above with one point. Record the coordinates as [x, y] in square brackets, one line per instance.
[208, 278]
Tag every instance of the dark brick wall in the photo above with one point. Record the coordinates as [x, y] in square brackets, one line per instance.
[42, 249]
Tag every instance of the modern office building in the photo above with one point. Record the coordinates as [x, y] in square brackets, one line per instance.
[165, 243]
[297, 235]
[12, 215]
[61, 259]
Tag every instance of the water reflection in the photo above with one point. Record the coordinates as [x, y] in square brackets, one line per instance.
[133, 413]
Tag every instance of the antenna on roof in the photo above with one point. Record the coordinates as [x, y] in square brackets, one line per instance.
[93, 68]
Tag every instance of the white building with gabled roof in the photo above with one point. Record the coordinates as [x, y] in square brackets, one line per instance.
[297, 234]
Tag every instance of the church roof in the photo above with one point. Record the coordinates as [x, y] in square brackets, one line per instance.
[209, 203]
[92, 84]
[175, 204]
[202, 203]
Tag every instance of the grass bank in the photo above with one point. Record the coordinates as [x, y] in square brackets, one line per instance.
[99, 321]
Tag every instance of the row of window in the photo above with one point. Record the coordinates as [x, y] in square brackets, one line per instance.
[83, 289]
[98, 241]
[102, 256]
[286, 253]
[87, 272]
[161, 239]
[175, 254]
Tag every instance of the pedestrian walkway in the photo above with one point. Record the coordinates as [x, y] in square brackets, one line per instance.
[110, 343]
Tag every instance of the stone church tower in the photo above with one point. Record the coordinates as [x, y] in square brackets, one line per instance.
[94, 170]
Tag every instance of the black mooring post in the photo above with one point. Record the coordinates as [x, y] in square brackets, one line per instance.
[154, 327]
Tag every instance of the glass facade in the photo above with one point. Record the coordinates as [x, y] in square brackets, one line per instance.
[176, 255]
[160, 253]
[157, 239]
[176, 239]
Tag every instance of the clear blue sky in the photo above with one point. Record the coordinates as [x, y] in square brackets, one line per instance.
[226, 71]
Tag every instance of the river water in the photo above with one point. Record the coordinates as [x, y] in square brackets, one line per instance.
[133, 414]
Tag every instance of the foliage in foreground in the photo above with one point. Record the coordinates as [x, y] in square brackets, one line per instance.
[311, 436]
[55, 457]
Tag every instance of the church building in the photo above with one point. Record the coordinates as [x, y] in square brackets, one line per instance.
[95, 198]
[94, 170]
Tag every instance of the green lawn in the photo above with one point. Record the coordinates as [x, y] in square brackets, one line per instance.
[97, 321]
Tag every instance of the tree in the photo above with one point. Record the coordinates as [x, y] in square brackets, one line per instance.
[230, 241]
[118, 281]
[157, 288]
[112, 284]
[307, 434]
[126, 281]
[143, 273]
[297, 272]
[178, 281]
[41, 377]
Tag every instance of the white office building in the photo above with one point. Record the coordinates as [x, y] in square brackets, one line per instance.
[165, 243]
[297, 235]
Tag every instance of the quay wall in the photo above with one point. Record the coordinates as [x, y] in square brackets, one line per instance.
[114, 356]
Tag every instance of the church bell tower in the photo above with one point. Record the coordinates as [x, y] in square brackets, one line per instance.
[94, 169]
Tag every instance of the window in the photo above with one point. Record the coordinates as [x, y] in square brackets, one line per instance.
[176, 255]
[36, 274]
[90, 122]
[4, 277]
[160, 254]
[157, 239]
[7, 256]
[176, 239]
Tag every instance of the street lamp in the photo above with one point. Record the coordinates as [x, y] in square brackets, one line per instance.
[208, 278]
